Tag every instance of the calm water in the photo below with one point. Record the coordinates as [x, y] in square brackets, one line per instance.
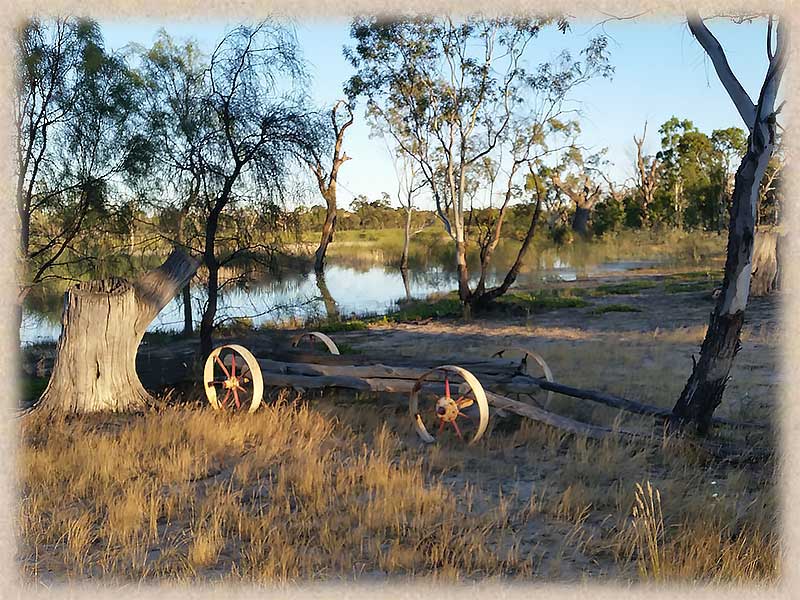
[374, 290]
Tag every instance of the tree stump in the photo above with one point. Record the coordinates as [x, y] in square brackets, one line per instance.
[766, 264]
[101, 328]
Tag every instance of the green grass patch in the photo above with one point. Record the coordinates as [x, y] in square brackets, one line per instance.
[600, 310]
[695, 281]
[695, 276]
[417, 310]
[677, 287]
[333, 326]
[628, 287]
[542, 300]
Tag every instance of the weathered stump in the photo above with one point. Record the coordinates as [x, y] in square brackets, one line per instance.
[766, 264]
[101, 328]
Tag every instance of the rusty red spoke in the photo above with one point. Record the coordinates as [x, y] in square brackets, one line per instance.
[225, 399]
[222, 366]
[446, 387]
[233, 365]
[458, 431]
[236, 398]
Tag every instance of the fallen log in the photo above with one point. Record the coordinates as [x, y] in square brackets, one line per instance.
[500, 374]
[597, 432]
[522, 384]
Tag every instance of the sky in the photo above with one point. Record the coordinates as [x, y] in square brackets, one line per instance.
[660, 71]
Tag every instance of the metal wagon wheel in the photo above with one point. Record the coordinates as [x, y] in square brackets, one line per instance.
[233, 372]
[311, 336]
[461, 406]
[525, 366]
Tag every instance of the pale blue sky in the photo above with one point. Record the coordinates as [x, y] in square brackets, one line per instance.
[660, 71]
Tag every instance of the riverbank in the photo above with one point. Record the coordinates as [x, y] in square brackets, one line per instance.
[362, 277]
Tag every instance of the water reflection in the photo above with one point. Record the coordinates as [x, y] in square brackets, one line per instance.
[342, 290]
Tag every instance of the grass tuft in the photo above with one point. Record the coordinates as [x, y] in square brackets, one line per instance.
[614, 308]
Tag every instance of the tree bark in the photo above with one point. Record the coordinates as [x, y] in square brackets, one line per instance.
[101, 328]
[406, 241]
[406, 283]
[463, 278]
[331, 309]
[328, 228]
[580, 222]
[188, 326]
[706, 385]
[704, 389]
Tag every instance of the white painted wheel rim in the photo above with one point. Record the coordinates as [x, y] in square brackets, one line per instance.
[526, 354]
[329, 344]
[471, 382]
[255, 372]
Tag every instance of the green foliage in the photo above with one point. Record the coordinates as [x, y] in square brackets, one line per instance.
[608, 216]
[696, 174]
[74, 142]
[32, 388]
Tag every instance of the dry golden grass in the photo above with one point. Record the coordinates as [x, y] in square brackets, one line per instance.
[298, 492]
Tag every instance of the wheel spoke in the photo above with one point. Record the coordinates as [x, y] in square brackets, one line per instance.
[458, 431]
[236, 398]
[463, 402]
[446, 387]
[222, 366]
[225, 399]
[233, 365]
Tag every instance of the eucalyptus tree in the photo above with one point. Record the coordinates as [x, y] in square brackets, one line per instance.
[258, 123]
[576, 177]
[409, 185]
[677, 137]
[75, 117]
[174, 79]
[454, 92]
[705, 387]
[236, 125]
[326, 173]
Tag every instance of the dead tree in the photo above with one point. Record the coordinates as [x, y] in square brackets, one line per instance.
[326, 180]
[647, 173]
[101, 328]
[706, 385]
